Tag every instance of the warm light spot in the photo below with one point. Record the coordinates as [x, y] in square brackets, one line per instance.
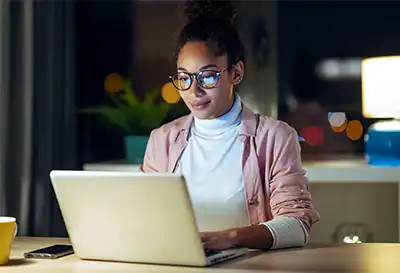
[380, 87]
[339, 129]
[314, 135]
[113, 83]
[169, 93]
[354, 130]
[338, 121]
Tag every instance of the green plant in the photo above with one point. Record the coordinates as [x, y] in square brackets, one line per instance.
[130, 114]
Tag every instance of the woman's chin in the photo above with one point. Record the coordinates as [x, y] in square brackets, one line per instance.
[201, 115]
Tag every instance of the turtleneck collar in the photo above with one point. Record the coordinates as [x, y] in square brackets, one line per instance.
[213, 127]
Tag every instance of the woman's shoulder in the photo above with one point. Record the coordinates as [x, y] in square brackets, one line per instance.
[274, 126]
[275, 136]
[265, 125]
[173, 127]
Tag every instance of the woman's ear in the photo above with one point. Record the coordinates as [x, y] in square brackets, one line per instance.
[237, 73]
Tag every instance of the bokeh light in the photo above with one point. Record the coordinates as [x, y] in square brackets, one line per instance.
[113, 83]
[338, 121]
[314, 135]
[354, 130]
[169, 93]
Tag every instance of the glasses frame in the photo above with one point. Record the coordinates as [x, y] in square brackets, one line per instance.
[196, 76]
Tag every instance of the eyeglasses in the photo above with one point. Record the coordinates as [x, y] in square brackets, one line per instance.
[206, 79]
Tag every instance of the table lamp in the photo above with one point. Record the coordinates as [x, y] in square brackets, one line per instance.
[381, 99]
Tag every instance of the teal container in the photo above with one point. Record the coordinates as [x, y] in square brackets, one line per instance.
[135, 148]
[382, 144]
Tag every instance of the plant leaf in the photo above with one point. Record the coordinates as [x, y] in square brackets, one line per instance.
[128, 96]
[113, 115]
[132, 115]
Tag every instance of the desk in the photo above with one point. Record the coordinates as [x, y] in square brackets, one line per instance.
[312, 259]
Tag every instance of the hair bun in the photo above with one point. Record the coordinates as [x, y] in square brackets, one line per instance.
[209, 9]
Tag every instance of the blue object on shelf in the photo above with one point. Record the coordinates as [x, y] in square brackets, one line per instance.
[382, 144]
[135, 148]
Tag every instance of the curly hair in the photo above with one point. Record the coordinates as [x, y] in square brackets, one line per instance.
[212, 22]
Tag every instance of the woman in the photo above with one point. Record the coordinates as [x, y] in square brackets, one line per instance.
[243, 171]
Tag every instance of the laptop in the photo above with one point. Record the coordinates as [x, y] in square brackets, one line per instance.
[132, 217]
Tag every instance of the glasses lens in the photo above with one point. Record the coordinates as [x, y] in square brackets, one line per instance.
[208, 79]
[181, 80]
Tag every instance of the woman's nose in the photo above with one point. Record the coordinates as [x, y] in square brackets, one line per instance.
[196, 91]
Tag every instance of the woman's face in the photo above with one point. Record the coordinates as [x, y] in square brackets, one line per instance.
[207, 103]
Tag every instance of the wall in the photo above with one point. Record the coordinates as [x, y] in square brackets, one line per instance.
[335, 29]
[157, 24]
[259, 88]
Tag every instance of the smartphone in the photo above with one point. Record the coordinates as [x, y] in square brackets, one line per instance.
[51, 252]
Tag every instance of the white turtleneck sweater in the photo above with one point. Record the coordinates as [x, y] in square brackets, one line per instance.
[212, 167]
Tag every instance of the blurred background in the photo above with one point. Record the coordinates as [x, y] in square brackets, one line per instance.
[84, 82]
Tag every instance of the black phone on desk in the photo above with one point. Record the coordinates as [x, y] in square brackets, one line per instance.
[50, 252]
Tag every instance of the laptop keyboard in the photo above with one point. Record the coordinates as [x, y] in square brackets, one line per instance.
[210, 252]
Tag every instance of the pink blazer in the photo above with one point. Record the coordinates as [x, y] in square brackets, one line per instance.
[275, 182]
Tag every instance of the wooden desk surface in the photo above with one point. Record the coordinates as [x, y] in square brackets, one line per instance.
[334, 259]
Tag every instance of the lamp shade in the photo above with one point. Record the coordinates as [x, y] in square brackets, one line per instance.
[381, 87]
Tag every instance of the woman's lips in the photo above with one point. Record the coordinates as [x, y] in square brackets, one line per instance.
[199, 105]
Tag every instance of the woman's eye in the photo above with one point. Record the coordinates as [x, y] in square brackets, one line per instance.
[208, 80]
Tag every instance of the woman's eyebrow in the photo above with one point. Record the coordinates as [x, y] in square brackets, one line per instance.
[201, 68]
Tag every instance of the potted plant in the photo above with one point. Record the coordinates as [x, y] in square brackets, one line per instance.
[135, 118]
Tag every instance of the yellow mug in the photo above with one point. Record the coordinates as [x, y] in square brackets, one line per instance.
[8, 231]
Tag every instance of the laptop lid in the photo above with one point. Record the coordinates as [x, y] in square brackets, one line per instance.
[130, 217]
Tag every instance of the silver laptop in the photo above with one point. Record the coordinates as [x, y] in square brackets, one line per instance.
[132, 217]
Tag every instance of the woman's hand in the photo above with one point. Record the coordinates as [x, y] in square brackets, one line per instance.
[255, 237]
[219, 240]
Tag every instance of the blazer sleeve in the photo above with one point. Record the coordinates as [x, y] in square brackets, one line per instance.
[289, 194]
